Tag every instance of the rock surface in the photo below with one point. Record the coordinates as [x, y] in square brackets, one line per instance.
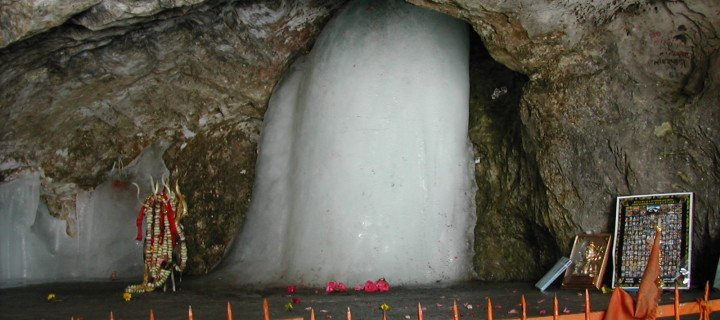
[605, 98]
[621, 99]
[75, 103]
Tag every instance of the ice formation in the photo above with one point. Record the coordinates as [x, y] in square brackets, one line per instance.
[365, 169]
[35, 247]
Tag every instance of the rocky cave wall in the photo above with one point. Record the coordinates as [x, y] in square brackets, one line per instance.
[594, 99]
[621, 99]
[77, 102]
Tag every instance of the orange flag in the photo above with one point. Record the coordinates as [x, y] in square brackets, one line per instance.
[649, 292]
[623, 306]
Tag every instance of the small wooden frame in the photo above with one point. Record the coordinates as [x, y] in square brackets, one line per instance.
[589, 258]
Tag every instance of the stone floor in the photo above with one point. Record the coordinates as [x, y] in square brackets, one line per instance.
[97, 299]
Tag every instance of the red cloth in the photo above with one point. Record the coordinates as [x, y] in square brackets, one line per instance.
[139, 222]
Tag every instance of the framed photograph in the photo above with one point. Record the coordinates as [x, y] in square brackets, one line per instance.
[589, 258]
[635, 220]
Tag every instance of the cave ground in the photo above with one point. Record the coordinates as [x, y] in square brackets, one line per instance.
[95, 300]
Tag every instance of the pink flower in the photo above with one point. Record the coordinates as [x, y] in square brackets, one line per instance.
[340, 287]
[370, 286]
[291, 289]
[330, 287]
[333, 286]
[295, 300]
[382, 285]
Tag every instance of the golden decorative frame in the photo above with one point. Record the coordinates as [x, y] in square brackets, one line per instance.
[589, 258]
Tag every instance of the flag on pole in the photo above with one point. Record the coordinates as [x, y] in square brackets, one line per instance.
[623, 306]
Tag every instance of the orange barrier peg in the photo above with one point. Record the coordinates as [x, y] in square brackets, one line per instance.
[587, 304]
[704, 309]
[152, 315]
[676, 303]
[112, 317]
[420, 312]
[556, 309]
[312, 314]
[456, 314]
[190, 313]
[489, 309]
[523, 304]
[229, 311]
[266, 309]
[349, 314]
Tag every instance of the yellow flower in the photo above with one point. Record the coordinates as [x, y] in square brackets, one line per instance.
[289, 306]
[51, 297]
[384, 307]
[127, 296]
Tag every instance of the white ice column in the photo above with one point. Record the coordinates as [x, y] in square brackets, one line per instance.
[365, 169]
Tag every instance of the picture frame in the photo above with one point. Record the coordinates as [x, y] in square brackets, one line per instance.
[589, 259]
[636, 218]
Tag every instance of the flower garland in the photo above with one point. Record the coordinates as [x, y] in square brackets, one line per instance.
[162, 212]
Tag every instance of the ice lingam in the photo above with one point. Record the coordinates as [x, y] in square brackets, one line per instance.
[364, 168]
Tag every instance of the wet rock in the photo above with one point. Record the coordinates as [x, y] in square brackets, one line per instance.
[217, 169]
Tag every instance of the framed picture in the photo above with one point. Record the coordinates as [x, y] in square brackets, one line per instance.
[589, 258]
[635, 221]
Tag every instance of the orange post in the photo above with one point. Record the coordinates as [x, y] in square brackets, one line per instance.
[349, 314]
[556, 309]
[489, 309]
[190, 314]
[587, 304]
[312, 314]
[152, 315]
[229, 311]
[704, 314]
[384, 315]
[707, 290]
[456, 314]
[523, 304]
[266, 309]
[420, 312]
[676, 303]
[111, 316]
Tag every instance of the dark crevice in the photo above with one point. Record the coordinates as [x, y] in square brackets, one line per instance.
[510, 198]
